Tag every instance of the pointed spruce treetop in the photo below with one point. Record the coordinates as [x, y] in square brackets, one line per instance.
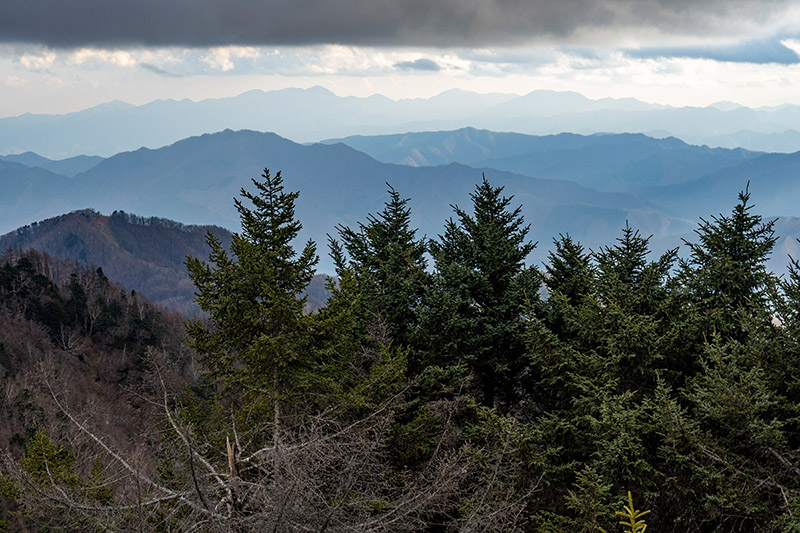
[252, 296]
[493, 240]
[726, 272]
[482, 291]
[388, 263]
[569, 270]
[627, 278]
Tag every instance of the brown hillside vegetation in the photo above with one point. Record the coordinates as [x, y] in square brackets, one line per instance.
[67, 332]
[144, 254]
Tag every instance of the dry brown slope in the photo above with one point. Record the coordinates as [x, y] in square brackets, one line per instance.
[146, 255]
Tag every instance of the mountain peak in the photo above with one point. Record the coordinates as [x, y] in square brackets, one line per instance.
[725, 105]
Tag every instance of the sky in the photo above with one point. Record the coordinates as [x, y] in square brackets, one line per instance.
[59, 56]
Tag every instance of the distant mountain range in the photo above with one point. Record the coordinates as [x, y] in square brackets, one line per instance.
[196, 179]
[307, 115]
[68, 167]
[621, 162]
[660, 186]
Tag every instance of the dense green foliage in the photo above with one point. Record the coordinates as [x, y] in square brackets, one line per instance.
[259, 335]
[475, 309]
[477, 394]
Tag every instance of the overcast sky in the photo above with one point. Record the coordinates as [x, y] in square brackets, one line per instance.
[59, 56]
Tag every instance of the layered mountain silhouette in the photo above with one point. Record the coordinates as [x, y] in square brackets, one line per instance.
[621, 162]
[308, 115]
[67, 167]
[196, 179]
[665, 184]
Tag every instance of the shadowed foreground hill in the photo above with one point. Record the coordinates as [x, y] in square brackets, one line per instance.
[146, 255]
[142, 254]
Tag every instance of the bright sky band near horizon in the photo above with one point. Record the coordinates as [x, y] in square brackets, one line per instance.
[58, 57]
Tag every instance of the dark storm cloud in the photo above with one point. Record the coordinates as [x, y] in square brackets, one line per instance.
[67, 23]
[420, 64]
[760, 52]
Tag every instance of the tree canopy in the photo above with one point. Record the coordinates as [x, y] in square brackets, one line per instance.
[447, 384]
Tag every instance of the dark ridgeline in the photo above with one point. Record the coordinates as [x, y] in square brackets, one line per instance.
[144, 254]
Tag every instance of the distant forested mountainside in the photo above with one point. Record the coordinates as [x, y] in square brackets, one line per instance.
[446, 385]
[308, 115]
[147, 255]
[144, 254]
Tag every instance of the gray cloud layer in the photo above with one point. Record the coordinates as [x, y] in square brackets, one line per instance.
[420, 64]
[761, 52]
[67, 23]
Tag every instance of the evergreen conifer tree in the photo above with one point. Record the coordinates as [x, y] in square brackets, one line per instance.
[258, 330]
[389, 266]
[569, 271]
[483, 290]
[726, 274]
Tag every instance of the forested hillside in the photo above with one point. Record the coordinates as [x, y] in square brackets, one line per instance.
[143, 254]
[68, 334]
[447, 385]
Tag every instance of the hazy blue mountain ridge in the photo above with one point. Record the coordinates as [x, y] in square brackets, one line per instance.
[608, 162]
[67, 167]
[31, 193]
[300, 114]
[774, 184]
[306, 115]
[196, 179]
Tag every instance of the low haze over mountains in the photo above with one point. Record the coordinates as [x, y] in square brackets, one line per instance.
[314, 114]
[588, 186]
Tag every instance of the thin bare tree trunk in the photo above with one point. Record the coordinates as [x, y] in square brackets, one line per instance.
[233, 473]
[276, 424]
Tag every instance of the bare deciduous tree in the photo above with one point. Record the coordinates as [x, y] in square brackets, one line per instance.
[322, 475]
